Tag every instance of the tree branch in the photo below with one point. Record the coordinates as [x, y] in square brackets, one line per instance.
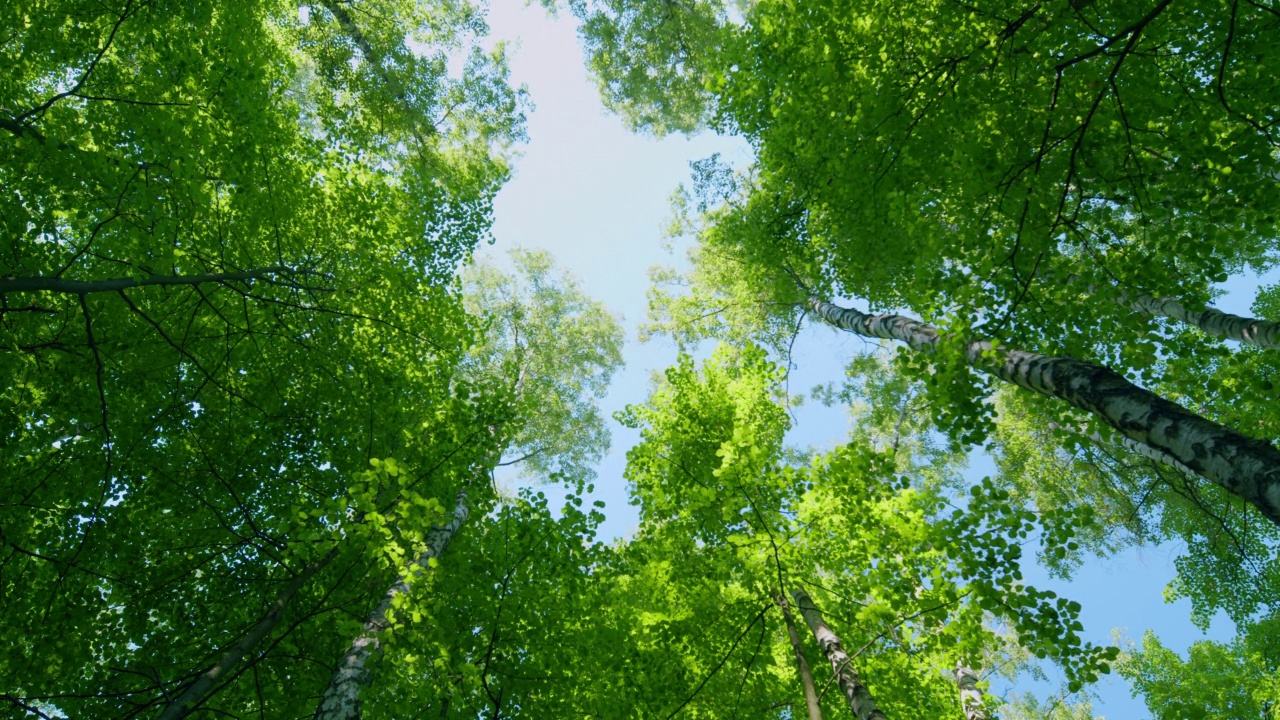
[87, 287]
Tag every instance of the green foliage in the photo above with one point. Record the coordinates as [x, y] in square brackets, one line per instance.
[1231, 681]
[1028, 707]
[298, 387]
[650, 59]
[481, 637]
[1013, 173]
[556, 349]
[244, 383]
[907, 582]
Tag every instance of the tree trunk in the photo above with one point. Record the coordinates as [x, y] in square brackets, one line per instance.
[341, 699]
[1138, 448]
[860, 700]
[196, 692]
[376, 61]
[1211, 321]
[1245, 467]
[806, 677]
[971, 700]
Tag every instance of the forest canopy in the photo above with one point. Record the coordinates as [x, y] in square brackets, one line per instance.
[279, 441]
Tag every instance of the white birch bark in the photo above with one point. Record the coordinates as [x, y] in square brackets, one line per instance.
[1137, 448]
[197, 691]
[860, 700]
[1245, 467]
[971, 700]
[1211, 321]
[341, 699]
[806, 676]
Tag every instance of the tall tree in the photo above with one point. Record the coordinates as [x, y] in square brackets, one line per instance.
[341, 699]
[1020, 175]
[711, 476]
[999, 143]
[1243, 466]
[228, 289]
[549, 352]
[971, 697]
[1235, 680]
[811, 702]
[498, 630]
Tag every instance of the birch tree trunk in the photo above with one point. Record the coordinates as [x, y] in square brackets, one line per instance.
[197, 691]
[1135, 447]
[1245, 467]
[1211, 321]
[971, 700]
[860, 700]
[806, 676]
[341, 699]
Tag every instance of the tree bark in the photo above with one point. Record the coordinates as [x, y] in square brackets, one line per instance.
[18, 128]
[1211, 321]
[971, 700]
[1138, 448]
[197, 691]
[860, 700]
[806, 676]
[86, 287]
[341, 699]
[1243, 466]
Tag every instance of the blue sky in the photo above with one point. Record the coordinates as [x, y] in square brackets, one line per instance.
[596, 195]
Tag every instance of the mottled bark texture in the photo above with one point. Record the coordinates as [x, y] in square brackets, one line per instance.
[860, 700]
[196, 691]
[341, 700]
[1138, 448]
[971, 700]
[1211, 321]
[1245, 467]
[802, 664]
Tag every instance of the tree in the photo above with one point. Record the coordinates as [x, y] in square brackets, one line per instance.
[1216, 680]
[495, 631]
[549, 352]
[859, 698]
[993, 142]
[1025, 176]
[228, 290]
[811, 700]
[862, 530]
[341, 699]
[1243, 466]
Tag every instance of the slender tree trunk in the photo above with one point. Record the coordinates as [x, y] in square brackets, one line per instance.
[357, 36]
[806, 676]
[375, 61]
[341, 699]
[1211, 321]
[860, 700]
[1245, 467]
[971, 700]
[1138, 448]
[197, 691]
